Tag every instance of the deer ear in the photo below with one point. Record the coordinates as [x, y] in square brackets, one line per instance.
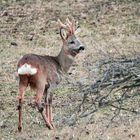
[63, 33]
[77, 27]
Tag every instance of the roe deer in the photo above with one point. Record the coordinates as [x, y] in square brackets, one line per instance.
[43, 73]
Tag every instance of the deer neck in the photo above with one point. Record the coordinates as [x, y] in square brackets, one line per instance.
[65, 60]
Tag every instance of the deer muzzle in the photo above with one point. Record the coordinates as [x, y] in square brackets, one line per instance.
[81, 48]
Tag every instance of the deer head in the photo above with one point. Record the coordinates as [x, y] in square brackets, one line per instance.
[71, 43]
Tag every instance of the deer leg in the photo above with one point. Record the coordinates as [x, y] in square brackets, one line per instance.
[39, 96]
[48, 104]
[50, 110]
[22, 88]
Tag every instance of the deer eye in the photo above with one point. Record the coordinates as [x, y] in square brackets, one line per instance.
[72, 42]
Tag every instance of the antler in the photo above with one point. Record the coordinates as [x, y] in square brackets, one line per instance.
[61, 24]
[69, 26]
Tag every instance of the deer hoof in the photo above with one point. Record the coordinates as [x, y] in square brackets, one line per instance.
[49, 126]
[53, 125]
[19, 129]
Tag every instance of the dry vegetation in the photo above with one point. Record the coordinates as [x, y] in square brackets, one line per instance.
[110, 29]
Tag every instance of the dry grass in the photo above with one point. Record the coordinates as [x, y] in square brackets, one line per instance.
[31, 27]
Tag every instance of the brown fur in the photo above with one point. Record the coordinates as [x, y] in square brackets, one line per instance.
[48, 70]
[49, 74]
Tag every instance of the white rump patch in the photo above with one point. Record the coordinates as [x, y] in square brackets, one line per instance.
[27, 69]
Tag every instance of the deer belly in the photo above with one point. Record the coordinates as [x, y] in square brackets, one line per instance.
[54, 79]
[27, 69]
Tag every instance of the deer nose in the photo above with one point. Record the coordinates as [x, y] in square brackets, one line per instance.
[81, 48]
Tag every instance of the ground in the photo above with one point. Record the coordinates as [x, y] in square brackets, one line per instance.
[31, 26]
